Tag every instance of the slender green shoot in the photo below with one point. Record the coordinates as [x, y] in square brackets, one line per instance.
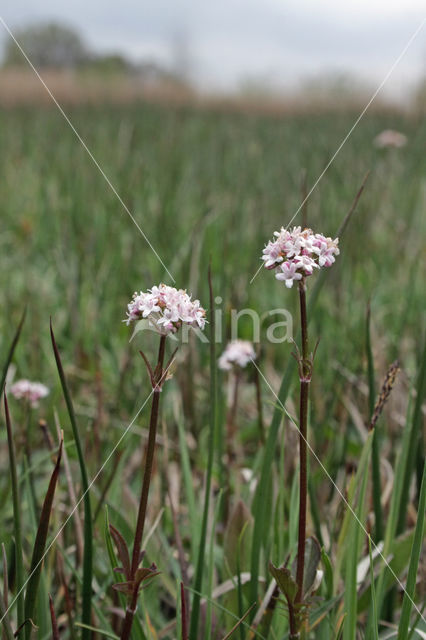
[407, 603]
[195, 613]
[88, 533]
[17, 525]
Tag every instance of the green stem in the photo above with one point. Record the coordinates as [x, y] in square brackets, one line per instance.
[16, 519]
[195, 614]
[149, 460]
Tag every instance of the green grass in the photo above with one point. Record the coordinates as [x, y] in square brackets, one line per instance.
[200, 184]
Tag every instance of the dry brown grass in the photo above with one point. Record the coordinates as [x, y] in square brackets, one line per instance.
[21, 87]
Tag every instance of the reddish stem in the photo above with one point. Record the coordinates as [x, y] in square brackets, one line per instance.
[149, 459]
[303, 432]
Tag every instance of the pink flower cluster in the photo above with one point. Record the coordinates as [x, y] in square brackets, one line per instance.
[390, 138]
[237, 353]
[297, 253]
[166, 308]
[32, 392]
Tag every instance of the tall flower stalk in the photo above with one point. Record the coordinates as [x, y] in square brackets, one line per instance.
[156, 380]
[305, 372]
[162, 309]
[294, 255]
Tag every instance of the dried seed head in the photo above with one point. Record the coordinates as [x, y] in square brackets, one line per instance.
[384, 393]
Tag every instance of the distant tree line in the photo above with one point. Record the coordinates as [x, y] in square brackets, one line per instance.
[57, 46]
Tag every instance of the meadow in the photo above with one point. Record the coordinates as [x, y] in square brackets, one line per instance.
[208, 186]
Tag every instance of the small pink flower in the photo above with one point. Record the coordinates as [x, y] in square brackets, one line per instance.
[166, 308]
[288, 273]
[296, 253]
[390, 138]
[237, 353]
[32, 392]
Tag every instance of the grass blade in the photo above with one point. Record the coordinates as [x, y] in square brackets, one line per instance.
[414, 438]
[407, 602]
[40, 545]
[374, 616]
[195, 613]
[88, 535]
[7, 629]
[240, 621]
[16, 518]
[12, 351]
[55, 630]
[375, 459]
[354, 538]
[184, 615]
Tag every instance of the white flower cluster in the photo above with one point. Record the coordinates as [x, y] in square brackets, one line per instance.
[166, 308]
[237, 353]
[297, 253]
[32, 392]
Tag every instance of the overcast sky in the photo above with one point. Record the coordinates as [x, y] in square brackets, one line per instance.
[227, 41]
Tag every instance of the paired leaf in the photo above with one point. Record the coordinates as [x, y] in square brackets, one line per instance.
[285, 581]
[123, 552]
[142, 575]
[312, 560]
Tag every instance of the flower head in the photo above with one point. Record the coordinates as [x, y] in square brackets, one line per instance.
[296, 253]
[166, 309]
[390, 138]
[237, 353]
[32, 392]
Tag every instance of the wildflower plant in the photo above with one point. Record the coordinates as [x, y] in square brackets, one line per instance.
[238, 353]
[31, 392]
[165, 309]
[295, 255]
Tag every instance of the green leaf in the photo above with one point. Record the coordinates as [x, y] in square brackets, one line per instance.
[11, 351]
[88, 534]
[102, 632]
[195, 614]
[375, 458]
[375, 619]
[410, 587]
[356, 522]
[312, 560]
[285, 581]
[17, 525]
[40, 545]
[415, 435]
[239, 520]
[7, 628]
